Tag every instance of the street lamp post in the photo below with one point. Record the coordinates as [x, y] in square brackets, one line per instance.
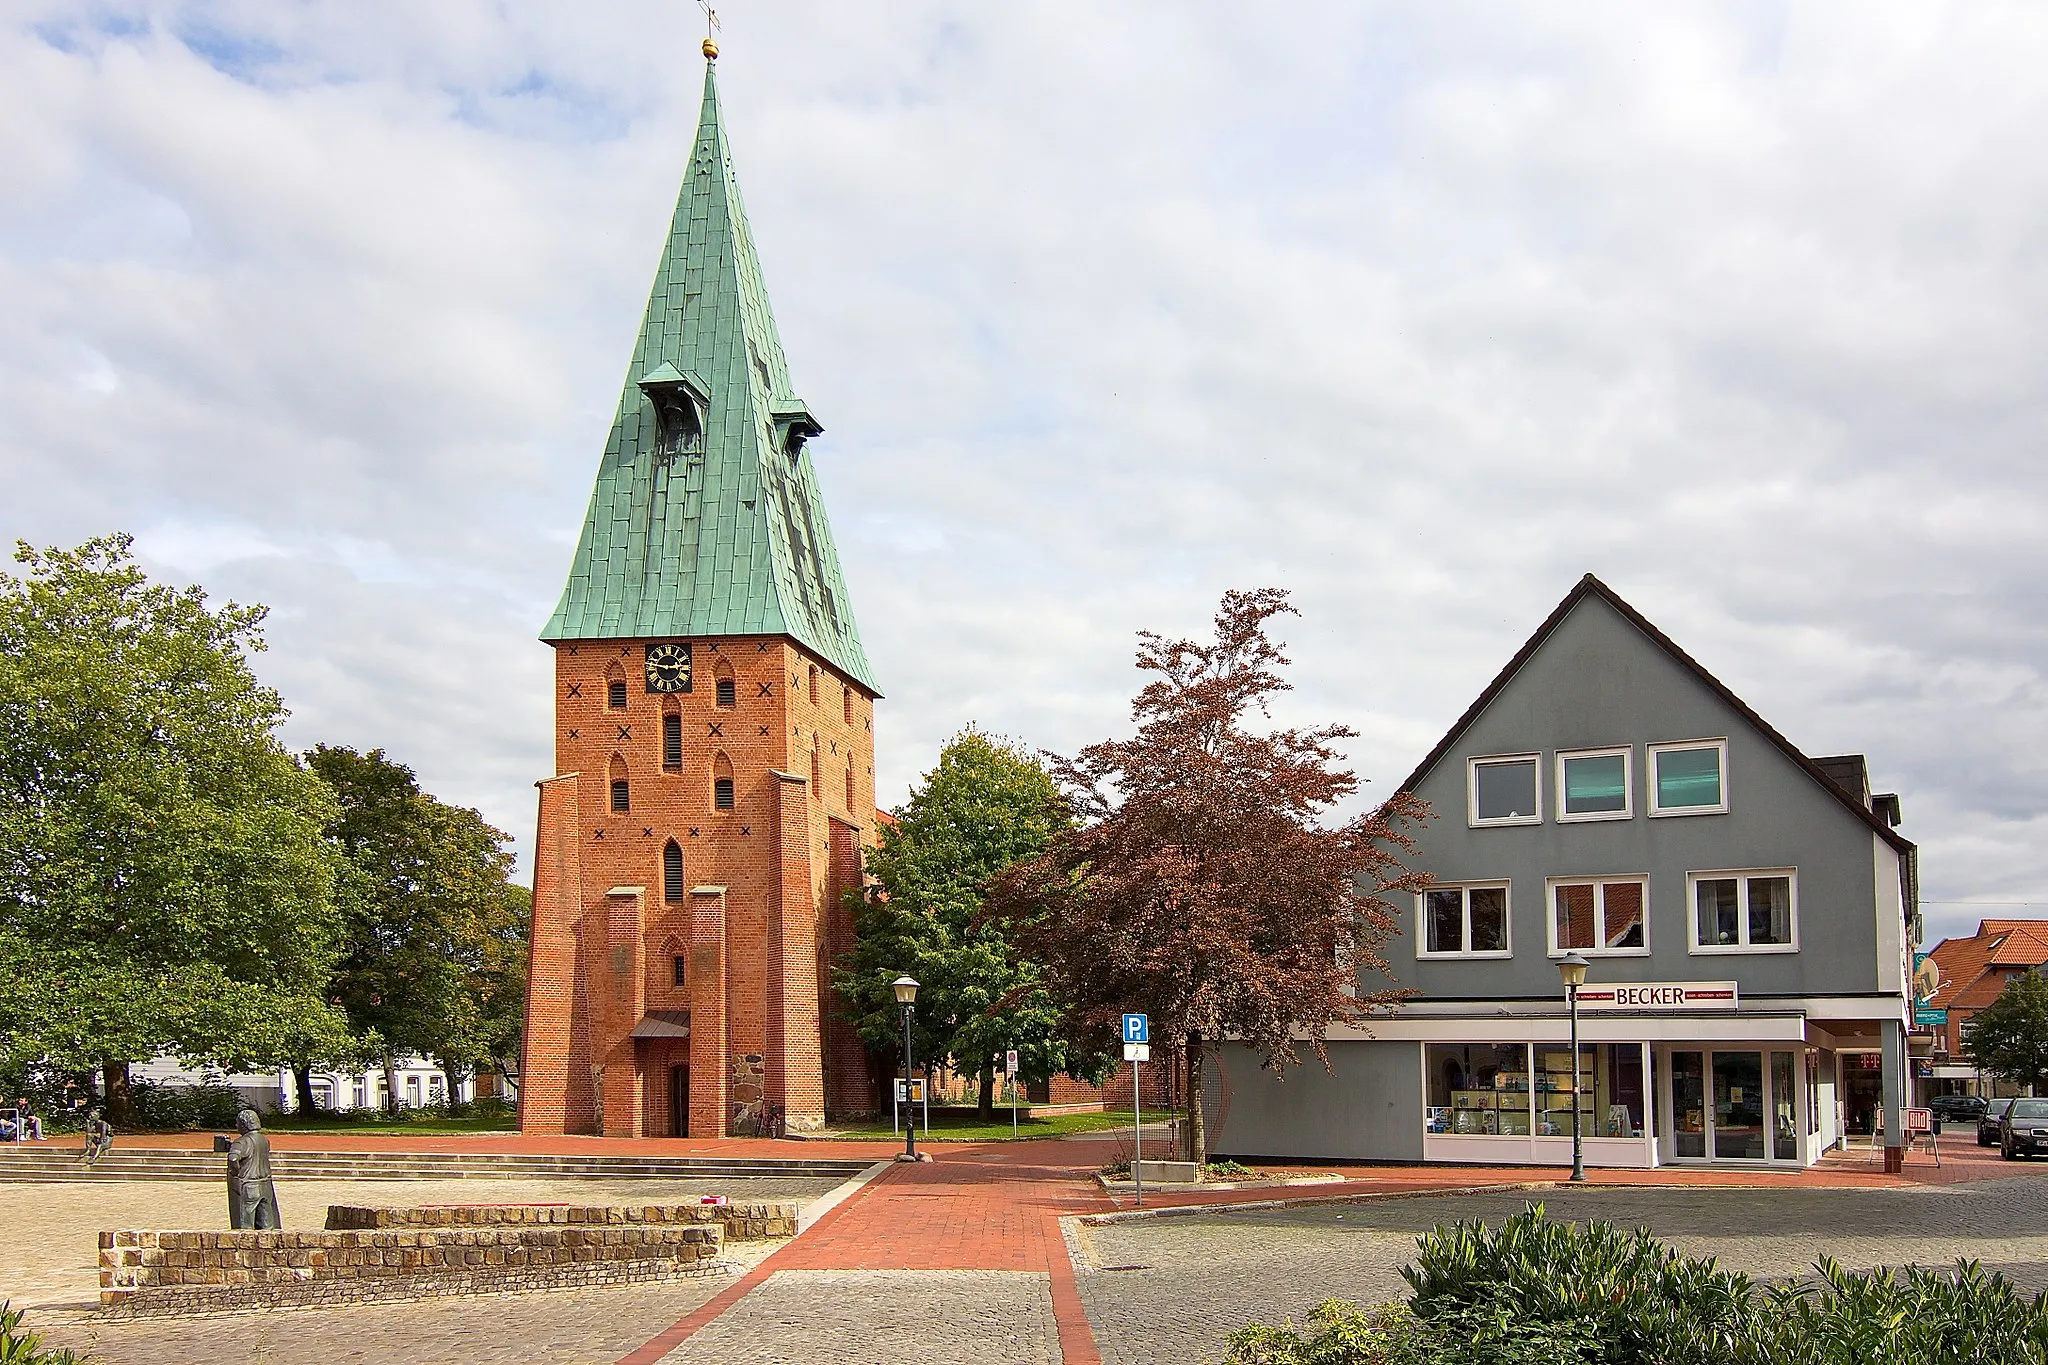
[1573, 969]
[906, 996]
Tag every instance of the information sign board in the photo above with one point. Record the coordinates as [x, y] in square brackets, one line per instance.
[1137, 1028]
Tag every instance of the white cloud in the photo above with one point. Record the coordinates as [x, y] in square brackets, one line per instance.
[1421, 311]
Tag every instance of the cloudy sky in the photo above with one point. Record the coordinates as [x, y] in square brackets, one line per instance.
[1420, 311]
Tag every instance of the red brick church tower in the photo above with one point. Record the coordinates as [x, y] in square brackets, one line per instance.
[714, 744]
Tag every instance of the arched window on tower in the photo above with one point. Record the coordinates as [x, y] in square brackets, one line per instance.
[814, 684]
[846, 704]
[721, 783]
[849, 790]
[615, 686]
[622, 799]
[671, 736]
[728, 686]
[817, 780]
[672, 874]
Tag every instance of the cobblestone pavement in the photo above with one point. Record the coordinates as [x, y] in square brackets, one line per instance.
[49, 1234]
[1173, 1288]
[881, 1317]
[561, 1327]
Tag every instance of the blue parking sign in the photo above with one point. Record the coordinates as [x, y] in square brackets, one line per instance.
[1137, 1029]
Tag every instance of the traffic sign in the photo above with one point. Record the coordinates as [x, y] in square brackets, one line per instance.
[1137, 1028]
[1010, 1062]
[1137, 1052]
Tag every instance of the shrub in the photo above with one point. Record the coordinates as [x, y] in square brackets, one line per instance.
[19, 1346]
[1340, 1333]
[1227, 1169]
[180, 1108]
[1542, 1293]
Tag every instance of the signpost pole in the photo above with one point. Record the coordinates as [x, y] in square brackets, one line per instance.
[1010, 1066]
[1137, 1046]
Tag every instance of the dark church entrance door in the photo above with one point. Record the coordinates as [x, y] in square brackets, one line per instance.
[679, 1101]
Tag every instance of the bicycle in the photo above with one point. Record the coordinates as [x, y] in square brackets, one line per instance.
[774, 1120]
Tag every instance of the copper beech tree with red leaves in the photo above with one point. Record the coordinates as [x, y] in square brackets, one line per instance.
[1200, 886]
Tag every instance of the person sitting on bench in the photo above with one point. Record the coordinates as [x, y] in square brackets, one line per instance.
[28, 1126]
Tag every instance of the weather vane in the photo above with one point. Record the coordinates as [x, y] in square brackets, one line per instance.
[710, 28]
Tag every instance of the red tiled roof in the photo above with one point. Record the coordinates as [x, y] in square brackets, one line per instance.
[1974, 970]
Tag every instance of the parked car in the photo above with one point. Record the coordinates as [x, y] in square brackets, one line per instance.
[1958, 1109]
[2024, 1129]
[1987, 1124]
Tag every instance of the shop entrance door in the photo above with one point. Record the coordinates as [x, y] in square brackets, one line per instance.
[1734, 1106]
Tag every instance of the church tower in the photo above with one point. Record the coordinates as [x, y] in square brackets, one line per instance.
[714, 742]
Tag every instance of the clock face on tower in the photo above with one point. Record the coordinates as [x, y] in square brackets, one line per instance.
[668, 668]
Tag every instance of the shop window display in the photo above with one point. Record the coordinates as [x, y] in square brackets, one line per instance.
[1479, 1089]
[1516, 1090]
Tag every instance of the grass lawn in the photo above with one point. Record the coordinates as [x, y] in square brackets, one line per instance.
[961, 1125]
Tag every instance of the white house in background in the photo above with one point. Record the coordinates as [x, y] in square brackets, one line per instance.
[420, 1083]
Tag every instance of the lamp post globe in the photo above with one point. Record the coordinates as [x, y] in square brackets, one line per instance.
[1572, 969]
[906, 996]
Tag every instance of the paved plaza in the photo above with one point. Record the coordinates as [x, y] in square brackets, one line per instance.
[1000, 1253]
[1173, 1288]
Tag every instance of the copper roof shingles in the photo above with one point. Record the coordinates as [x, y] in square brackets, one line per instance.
[657, 558]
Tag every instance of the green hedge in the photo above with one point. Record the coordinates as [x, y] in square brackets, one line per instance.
[1537, 1292]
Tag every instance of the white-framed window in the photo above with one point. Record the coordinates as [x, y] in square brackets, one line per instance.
[1595, 784]
[1464, 921]
[1599, 915]
[1746, 911]
[1504, 789]
[1689, 778]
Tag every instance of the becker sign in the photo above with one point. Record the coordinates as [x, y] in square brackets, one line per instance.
[1659, 995]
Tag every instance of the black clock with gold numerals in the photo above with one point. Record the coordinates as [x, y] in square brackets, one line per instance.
[668, 668]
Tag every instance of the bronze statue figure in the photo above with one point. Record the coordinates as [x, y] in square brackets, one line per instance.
[252, 1195]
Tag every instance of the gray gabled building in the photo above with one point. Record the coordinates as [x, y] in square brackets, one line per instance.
[1748, 912]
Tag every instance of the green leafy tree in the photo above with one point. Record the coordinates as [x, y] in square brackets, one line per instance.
[434, 951]
[164, 886]
[1202, 887]
[988, 804]
[2009, 1036]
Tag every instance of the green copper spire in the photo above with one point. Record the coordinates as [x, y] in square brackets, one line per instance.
[706, 518]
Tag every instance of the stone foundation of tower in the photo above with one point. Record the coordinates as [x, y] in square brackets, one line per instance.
[681, 993]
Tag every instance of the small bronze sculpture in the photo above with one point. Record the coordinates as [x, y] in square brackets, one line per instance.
[252, 1195]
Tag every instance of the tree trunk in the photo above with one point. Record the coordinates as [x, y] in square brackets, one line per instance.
[451, 1076]
[390, 1085]
[985, 1106]
[302, 1081]
[1198, 1135]
[120, 1099]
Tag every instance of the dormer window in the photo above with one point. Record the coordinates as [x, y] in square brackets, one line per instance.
[793, 426]
[681, 431]
[679, 402]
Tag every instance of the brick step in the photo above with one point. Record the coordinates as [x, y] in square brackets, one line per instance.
[22, 1167]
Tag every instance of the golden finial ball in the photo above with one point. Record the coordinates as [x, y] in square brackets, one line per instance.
[710, 50]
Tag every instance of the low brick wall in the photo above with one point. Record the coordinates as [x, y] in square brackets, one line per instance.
[748, 1222]
[151, 1273]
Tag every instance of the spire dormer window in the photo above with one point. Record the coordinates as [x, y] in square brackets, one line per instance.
[793, 426]
[679, 401]
[680, 430]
